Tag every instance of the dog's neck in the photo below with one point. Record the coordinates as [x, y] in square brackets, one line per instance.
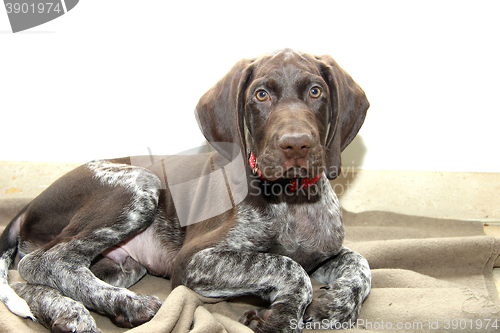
[284, 189]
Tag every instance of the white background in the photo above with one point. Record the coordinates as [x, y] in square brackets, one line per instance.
[113, 77]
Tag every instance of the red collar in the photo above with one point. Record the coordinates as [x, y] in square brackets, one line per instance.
[295, 183]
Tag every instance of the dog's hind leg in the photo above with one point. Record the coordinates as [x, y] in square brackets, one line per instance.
[122, 275]
[348, 282]
[65, 267]
[55, 311]
[124, 205]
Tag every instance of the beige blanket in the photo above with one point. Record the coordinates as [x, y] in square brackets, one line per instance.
[429, 275]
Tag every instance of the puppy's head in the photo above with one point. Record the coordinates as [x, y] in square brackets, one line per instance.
[295, 112]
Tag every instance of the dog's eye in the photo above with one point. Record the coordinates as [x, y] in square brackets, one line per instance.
[315, 92]
[262, 95]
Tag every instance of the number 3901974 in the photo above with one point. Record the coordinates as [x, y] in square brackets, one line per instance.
[39, 8]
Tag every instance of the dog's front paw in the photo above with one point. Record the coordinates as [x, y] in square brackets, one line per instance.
[135, 309]
[281, 318]
[338, 305]
[75, 319]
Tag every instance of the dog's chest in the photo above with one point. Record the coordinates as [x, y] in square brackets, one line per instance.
[307, 233]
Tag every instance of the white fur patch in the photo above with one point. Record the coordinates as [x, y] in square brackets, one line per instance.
[139, 180]
[16, 304]
[8, 296]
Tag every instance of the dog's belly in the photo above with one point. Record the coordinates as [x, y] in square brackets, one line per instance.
[147, 249]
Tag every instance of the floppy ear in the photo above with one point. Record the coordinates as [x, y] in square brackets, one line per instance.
[349, 106]
[220, 110]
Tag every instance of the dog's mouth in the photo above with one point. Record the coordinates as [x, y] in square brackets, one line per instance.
[289, 172]
[296, 172]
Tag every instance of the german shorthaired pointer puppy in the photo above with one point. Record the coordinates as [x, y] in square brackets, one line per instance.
[102, 227]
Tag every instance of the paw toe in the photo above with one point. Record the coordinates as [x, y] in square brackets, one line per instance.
[76, 319]
[248, 316]
[137, 311]
[60, 328]
[256, 320]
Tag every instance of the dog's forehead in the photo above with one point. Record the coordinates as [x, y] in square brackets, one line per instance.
[288, 65]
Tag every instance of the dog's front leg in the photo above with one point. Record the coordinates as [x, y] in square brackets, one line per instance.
[348, 280]
[280, 280]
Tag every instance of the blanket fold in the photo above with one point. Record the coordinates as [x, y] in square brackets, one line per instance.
[183, 311]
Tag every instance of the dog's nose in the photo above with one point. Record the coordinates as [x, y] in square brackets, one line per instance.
[295, 145]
